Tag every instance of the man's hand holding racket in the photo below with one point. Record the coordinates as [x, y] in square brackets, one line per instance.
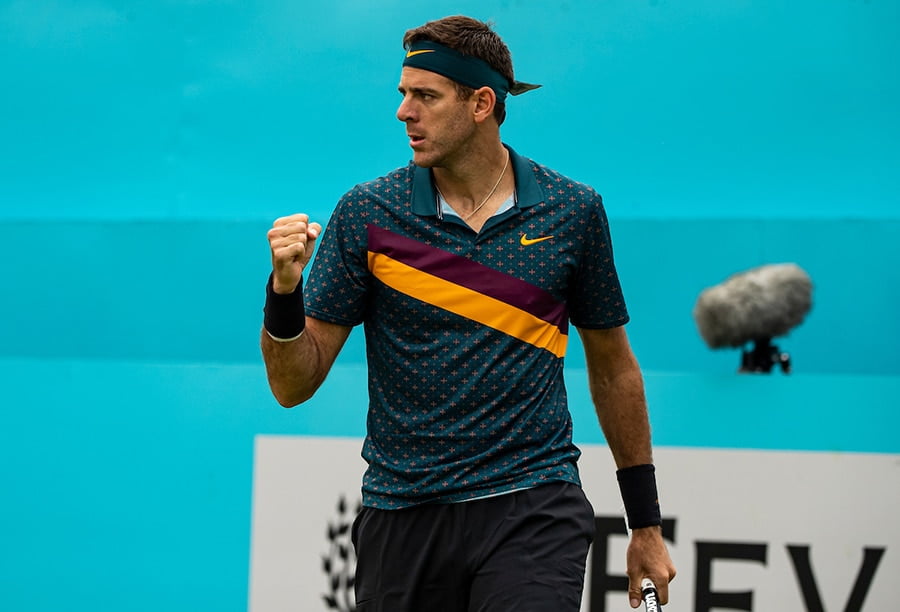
[648, 558]
[650, 596]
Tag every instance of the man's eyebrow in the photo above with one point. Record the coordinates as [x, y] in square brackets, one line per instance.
[417, 90]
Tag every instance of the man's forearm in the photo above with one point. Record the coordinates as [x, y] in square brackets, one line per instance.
[296, 369]
[622, 411]
[290, 376]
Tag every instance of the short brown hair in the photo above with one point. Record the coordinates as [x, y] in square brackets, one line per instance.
[471, 37]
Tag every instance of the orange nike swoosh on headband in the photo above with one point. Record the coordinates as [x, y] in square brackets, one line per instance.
[411, 53]
[526, 241]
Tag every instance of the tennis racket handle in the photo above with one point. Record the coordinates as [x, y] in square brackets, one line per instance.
[650, 596]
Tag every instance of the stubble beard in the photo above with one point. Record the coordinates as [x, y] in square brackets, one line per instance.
[450, 148]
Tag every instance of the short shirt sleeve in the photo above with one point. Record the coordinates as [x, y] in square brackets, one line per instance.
[596, 300]
[337, 287]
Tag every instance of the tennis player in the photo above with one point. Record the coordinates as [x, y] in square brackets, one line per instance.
[465, 268]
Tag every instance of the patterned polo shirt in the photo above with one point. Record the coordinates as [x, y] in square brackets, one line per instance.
[466, 332]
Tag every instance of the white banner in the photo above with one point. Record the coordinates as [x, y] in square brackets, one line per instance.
[748, 530]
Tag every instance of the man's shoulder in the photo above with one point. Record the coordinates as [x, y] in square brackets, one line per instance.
[555, 184]
[547, 176]
[386, 185]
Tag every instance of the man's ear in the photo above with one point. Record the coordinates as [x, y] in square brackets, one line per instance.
[485, 101]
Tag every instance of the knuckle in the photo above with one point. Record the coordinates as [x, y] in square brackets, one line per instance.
[289, 219]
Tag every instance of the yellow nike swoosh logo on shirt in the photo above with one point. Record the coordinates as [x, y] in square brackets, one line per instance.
[526, 241]
[411, 53]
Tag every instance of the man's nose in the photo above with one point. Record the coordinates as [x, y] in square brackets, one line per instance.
[404, 111]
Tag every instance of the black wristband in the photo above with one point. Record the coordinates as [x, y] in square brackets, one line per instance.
[638, 486]
[284, 315]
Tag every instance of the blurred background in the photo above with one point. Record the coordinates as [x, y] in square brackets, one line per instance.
[146, 147]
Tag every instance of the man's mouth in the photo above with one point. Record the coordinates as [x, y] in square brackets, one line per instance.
[415, 140]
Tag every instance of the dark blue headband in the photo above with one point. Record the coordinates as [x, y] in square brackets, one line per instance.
[464, 69]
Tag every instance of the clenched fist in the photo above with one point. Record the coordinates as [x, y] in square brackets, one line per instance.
[292, 240]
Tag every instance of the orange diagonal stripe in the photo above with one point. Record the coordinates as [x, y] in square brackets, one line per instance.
[468, 303]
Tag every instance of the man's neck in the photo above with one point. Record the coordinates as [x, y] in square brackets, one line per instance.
[469, 180]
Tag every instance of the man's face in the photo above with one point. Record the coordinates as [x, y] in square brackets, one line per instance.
[438, 123]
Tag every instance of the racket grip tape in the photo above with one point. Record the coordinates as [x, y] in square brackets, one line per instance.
[650, 596]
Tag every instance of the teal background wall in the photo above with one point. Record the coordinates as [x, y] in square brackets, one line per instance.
[225, 109]
[145, 147]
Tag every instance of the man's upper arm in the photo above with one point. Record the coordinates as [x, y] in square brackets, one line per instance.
[607, 350]
[330, 338]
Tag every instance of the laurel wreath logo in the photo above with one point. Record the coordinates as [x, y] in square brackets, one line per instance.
[339, 563]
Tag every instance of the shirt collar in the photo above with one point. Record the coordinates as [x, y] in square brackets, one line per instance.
[528, 192]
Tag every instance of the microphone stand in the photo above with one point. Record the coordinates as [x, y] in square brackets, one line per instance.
[763, 357]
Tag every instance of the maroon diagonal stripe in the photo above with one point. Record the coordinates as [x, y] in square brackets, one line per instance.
[470, 274]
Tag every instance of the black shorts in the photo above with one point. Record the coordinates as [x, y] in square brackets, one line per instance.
[522, 551]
